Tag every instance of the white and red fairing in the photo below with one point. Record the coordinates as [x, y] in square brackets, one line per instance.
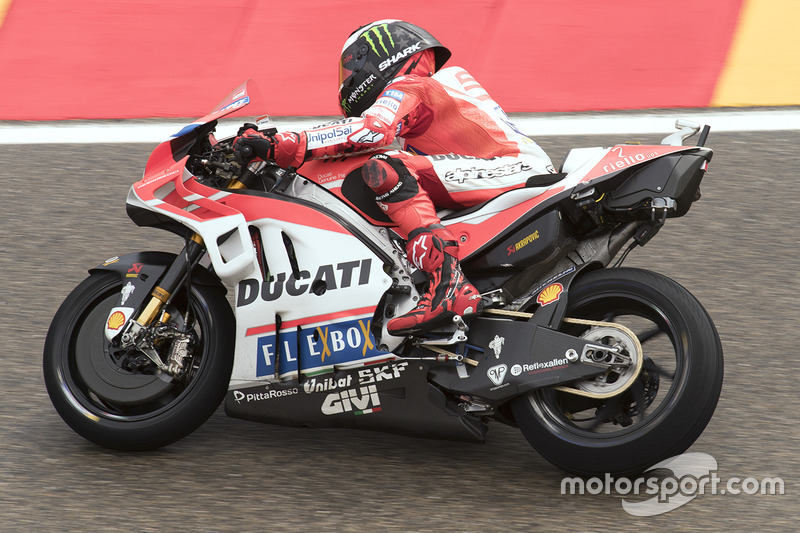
[477, 228]
[582, 167]
[353, 274]
[318, 331]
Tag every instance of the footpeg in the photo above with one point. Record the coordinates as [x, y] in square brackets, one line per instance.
[459, 335]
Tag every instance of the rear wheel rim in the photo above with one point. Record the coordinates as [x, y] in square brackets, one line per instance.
[640, 406]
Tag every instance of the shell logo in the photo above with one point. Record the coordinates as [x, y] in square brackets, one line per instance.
[116, 320]
[550, 294]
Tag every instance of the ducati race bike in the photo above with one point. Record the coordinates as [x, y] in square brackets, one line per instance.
[279, 300]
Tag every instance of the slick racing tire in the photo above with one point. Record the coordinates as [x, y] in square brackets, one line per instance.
[666, 407]
[115, 397]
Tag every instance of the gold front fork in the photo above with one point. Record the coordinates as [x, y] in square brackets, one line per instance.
[172, 278]
[161, 295]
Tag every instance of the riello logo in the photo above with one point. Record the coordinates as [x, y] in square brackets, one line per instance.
[361, 401]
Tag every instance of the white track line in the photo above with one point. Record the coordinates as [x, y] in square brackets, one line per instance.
[152, 131]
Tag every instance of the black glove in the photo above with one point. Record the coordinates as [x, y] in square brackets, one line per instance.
[251, 144]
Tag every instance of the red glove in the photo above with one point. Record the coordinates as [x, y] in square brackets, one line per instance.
[286, 149]
[290, 149]
[251, 144]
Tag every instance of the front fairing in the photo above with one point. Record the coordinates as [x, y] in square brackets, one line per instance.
[312, 271]
[178, 146]
[169, 196]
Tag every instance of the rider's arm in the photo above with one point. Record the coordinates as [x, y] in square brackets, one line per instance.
[396, 111]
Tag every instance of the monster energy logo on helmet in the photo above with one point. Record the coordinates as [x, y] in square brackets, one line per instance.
[375, 37]
[373, 56]
[376, 32]
[357, 93]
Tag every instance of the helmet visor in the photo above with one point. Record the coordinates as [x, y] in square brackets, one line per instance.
[353, 59]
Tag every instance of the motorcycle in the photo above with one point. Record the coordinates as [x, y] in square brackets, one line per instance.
[604, 369]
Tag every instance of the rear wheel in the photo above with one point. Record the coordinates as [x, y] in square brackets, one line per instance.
[668, 405]
[115, 397]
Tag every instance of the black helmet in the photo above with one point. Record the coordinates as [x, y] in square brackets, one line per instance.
[372, 57]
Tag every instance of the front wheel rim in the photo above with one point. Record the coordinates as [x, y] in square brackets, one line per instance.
[89, 373]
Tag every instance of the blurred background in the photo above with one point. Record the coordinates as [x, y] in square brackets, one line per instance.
[150, 58]
[63, 212]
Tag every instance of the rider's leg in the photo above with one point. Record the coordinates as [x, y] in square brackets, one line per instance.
[431, 247]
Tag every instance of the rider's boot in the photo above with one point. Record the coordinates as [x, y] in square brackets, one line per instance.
[434, 250]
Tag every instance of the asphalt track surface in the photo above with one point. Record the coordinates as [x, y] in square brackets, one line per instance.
[63, 212]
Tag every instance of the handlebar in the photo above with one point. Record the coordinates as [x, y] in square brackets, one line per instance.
[213, 163]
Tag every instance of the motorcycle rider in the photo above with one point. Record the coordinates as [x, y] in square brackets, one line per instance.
[459, 149]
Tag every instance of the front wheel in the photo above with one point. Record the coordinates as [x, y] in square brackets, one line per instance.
[667, 406]
[115, 397]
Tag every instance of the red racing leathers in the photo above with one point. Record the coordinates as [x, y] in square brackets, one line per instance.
[458, 149]
[457, 145]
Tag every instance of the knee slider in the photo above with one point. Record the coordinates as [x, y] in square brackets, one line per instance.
[389, 179]
[379, 175]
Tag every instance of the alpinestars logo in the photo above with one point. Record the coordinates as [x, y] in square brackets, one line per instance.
[462, 174]
[367, 137]
[419, 251]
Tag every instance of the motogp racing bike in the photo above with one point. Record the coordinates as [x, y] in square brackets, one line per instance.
[278, 304]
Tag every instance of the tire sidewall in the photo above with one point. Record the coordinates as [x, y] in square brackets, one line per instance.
[194, 405]
[680, 419]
